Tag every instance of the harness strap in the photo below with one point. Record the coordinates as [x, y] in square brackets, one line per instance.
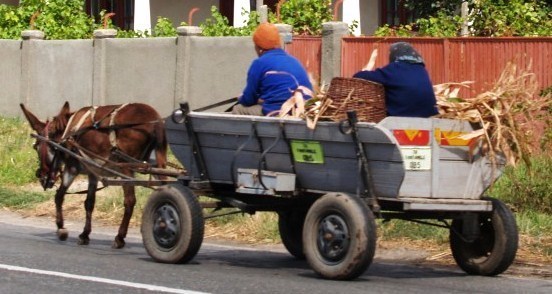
[90, 113]
[112, 134]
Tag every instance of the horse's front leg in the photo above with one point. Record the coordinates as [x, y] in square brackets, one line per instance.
[66, 181]
[62, 232]
[129, 202]
[89, 203]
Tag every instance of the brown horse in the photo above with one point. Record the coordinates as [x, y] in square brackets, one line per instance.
[108, 135]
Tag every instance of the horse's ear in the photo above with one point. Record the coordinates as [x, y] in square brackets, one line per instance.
[64, 110]
[35, 123]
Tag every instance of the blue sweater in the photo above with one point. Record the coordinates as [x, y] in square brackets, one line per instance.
[408, 88]
[273, 77]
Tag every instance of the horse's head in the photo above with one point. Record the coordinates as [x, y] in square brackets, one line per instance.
[49, 158]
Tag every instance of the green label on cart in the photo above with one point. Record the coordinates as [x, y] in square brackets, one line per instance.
[307, 151]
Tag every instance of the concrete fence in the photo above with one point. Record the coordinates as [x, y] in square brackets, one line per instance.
[162, 72]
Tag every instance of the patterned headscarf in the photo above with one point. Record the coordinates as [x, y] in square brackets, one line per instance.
[403, 51]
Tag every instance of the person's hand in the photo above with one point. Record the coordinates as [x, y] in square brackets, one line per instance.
[372, 61]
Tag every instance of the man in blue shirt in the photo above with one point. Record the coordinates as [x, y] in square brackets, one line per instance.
[273, 77]
[408, 88]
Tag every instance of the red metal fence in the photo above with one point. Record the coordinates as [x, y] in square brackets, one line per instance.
[309, 51]
[448, 60]
[480, 60]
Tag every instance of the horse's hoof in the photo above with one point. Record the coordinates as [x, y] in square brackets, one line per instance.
[62, 234]
[118, 243]
[83, 241]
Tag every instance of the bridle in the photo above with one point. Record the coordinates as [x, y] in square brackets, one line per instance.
[48, 173]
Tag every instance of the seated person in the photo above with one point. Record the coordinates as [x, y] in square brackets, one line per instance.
[408, 88]
[272, 77]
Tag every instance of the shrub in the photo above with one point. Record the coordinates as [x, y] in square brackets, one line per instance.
[306, 17]
[527, 189]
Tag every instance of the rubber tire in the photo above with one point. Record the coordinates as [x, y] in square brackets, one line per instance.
[189, 227]
[358, 228]
[290, 226]
[494, 250]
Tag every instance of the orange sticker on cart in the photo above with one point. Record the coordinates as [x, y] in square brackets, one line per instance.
[412, 137]
[451, 138]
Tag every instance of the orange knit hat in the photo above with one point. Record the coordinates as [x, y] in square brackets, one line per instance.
[267, 37]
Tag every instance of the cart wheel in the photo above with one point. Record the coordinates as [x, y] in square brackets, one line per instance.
[290, 225]
[339, 236]
[172, 224]
[494, 250]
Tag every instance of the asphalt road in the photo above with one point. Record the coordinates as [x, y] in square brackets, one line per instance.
[32, 260]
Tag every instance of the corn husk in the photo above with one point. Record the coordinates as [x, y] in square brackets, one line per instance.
[506, 113]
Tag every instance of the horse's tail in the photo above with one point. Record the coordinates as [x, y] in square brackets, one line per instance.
[160, 144]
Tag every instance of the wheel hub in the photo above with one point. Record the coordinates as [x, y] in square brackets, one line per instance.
[166, 228]
[333, 238]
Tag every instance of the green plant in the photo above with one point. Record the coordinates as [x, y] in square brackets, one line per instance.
[58, 19]
[440, 25]
[494, 18]
[306, 17]
[218, 25]
[400, 31]
[527, 190]
[164, 28]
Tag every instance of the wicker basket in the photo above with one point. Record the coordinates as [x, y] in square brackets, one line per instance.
[367, 99]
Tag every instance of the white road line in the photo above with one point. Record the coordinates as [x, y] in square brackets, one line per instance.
[99, 280]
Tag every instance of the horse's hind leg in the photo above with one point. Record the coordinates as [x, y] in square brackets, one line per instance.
[129, 202]
[89, 203]
[62, 232]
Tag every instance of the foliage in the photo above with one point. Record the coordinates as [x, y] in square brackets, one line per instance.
[426, 8]
[440, 25]
[495, 18]
[58, 19]
[527, 190]
[218, 25]
[164, 28]
[399, 31]
[487, 18]
[306, 17]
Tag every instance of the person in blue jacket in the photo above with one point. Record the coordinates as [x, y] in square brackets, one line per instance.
[273, 77]
[408, 88]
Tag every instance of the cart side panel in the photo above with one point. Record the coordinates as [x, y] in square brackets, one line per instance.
[221, 135]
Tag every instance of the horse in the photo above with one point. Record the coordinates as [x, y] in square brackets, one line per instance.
[110, 135]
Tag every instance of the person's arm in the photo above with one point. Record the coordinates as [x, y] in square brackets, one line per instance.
[250, 95]
[380, 75]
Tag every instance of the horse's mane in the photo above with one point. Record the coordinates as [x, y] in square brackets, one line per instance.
[59, 123]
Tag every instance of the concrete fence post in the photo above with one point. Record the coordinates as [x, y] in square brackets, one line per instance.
[29, 38]
[182, 78]
[285, 31]
[332, 33]
[99, 84]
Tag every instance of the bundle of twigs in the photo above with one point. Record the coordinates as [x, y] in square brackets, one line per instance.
[506, 113]
[312, 110]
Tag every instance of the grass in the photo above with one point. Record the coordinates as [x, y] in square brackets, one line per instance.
[528, 192]
[18, 160]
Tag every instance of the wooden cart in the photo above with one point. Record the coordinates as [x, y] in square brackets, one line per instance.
[328, 185]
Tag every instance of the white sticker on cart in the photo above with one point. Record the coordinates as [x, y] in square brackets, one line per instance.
[416, 157]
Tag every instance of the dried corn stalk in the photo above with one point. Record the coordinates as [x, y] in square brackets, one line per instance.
[505, 113]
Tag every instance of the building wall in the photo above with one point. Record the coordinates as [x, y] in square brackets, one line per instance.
[177, 10]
